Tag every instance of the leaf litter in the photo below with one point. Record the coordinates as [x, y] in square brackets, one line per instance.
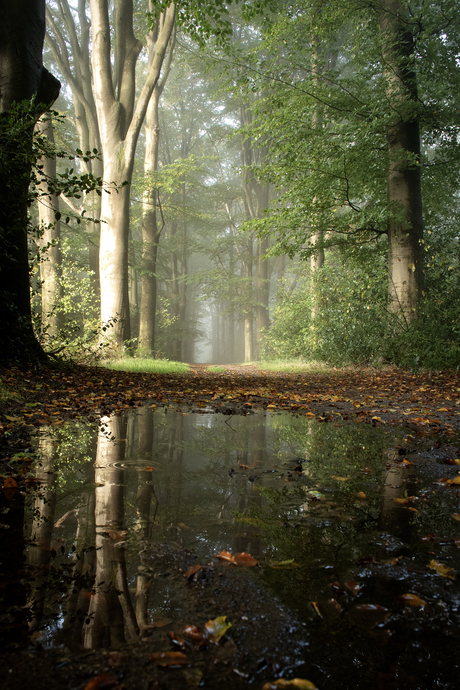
[369, 615]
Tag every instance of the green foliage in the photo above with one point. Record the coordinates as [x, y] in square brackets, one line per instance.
[350, 323]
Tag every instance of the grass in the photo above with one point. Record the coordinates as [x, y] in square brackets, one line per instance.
[293, 366]
[217, 370]
[148, 365]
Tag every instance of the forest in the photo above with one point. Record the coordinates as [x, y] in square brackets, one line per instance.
[238, 182]
[229, 344]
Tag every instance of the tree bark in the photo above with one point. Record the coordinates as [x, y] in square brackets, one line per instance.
[151, 227]
[22, 76]
[405, 230]
[49, 243]
[71, 51]
[120, 120]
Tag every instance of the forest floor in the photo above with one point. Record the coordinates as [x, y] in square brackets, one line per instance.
[426, 404]
[425, 400]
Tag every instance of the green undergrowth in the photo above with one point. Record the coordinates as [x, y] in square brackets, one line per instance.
[217, 370]
[148, 365]
[293, 366]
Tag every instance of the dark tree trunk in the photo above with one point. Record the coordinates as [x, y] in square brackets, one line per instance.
[22, 76]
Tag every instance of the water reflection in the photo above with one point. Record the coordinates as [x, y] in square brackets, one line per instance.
[317, 497]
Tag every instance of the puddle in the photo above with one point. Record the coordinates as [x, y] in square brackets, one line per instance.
[345, 521]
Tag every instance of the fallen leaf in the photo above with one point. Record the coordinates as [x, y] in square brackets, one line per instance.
[456, 516]
[361, 494]
[403, 501]
[442, 569]
[368, 615]
[341, 479]
[150, 468]
[300, 683]
[169, 659]
[353, 587]
[177, 641]
[216, 629]
[102, 682]
[193, 632]
[285, 565]
[192, 570]
[412, 600]
[246, 559]
[452, 461]
[226, 556]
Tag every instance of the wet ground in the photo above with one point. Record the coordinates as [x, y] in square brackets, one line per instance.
[338, 542]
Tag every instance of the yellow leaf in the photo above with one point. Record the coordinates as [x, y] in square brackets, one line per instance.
[271, 407]
[412, 600]
[340, 479]
[309, 414]
[215, 629]
[285, 565]
[442, 569]
[295, 683]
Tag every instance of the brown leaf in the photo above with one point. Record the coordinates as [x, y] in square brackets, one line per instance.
[246, 559]
[226, 556]
[192, 570]
[193, 632]
[368, 615]
[102, 682]
[412, 600]
[169, 659]
[353, 587]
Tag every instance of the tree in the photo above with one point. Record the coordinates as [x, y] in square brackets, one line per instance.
[50, 256]
[24, 82]
[344, 134]
[68, 36]
[120, 121]
[152, 222]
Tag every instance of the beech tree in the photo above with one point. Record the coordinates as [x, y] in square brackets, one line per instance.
[68, 36]
[26, 90]
[120, 120]
[345, 133]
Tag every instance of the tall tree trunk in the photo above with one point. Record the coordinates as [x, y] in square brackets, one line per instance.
[22, 76]
[256, 202]
[119, 125]
[49, 242]
[152, 227]
[111, 609]
[42, 530]
[405, 231]
[71, 51]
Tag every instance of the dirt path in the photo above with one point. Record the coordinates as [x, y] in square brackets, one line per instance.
[426, 401]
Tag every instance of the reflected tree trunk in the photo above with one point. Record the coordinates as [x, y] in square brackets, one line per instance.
[42, 530]
[84, 565]
[111, 611]
[145, 493]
